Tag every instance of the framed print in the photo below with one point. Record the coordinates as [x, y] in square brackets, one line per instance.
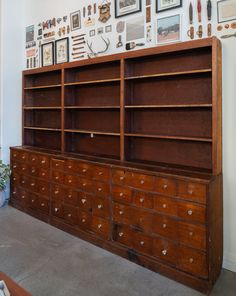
[62, 50]
[168, 29]
[48, 54]
[75, 20]
[226, 11]
[162, 5]
[125, 7]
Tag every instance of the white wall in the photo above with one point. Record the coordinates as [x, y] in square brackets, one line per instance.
[13, 61]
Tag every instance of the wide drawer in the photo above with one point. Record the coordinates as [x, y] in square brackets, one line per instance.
[165, 250]
[101, 207]
[101, 227]
[192, 212]
[192, 191]
[165, 186]
[122, 194]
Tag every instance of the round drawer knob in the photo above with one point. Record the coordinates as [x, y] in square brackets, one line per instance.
[142, 243]
[141, 199]
[23, 157]
[190, 192]
[14, 155]
[100, 173]
[121, 234]
[14, 166]
[32, 200]
[99, 189]
[121, 194]
[56, 177]
[84, 184]
[23, 169]
[70, 181]
[165, 186]
[164, 225]
[69, 166]
[14, 179]
[83, 201]
[22, 182]
[84, 170]
[33, 159]
[69, 196]
[42, 204]
[23, 197]
[190, 233]
[33, 171]
[43, 174]
[14, 192]
[99, 206]
[191, 260]
[164, 206]
[190, 212]
[142, 182]
[83, 220]
[99, 226]
[164, 252]
[122, 178]
[121, 213]
[56, 192]
[56, 210]
[57, 164]
[32, 184]
[43, 188]
[43, 161]
[69, 215]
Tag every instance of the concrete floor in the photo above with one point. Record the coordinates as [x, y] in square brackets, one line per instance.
[49, 262]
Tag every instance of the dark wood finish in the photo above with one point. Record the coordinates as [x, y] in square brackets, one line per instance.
[125, 151]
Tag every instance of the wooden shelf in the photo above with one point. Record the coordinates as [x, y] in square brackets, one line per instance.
[42, 108]
[42, 87]
[42, 129]
[92, 107]
[92, 82]
[169, 106]
[169, 74]
[92, 132]
[195, 139]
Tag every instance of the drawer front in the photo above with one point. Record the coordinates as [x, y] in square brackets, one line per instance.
[165, 227]
[142, 219]
[33, 184]
[44, 161]
[24, 181]
[57, 209]
[58, 177]
[192, 191]
[43, 205]
[71, 180]
[22, 197]
[23, 156]
[122, 194]
[193, 262]
[165, 186]
[165, 205]
[57, 192]
[165, 250]
[33, 159]
[58, 164]
[192, 212]
[144, 200]
[86, 185]
[16, 167]
[123, 235]
[70, 214]
[143, 182]
[34, 171]
[84, 169]
[84, 220]
[101, 227]
[16, 179]
[84, 201]
[123, 214]
[24, 168]
[143, 243]
[44, 188]
[192, 235]
[71, 197]
[43, 173]
[120, 177]
[15, 155]
[33, 201]
[101, 207]
[101, 173]
[101, 189]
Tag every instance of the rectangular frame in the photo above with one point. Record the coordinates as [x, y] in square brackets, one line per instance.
[75, 20]
[135, 7]
[169, 28]
[50, 54]
[62, 53]
[222, 4]
[160, 6]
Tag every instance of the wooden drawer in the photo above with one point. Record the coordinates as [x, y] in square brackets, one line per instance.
[143, 182]
[122, 194]
[165, 226]
[192, 261]
[33, 185]
[58, 177]
[71, 180]
[192, 212]
[57, 192]
[100, 173]
[84, 169]
[15, 155]
[192, 235]
[192, 191]
[101, 227]
[44, 161]
[57, 209]
[24, 169]
[15, 191]
[84, 220]
[44, 174]
[84, 201]
[101, 189]
[123, 214]
[165, 205]
[23, 156]
[142, 243]
[70, 214]
[123, 235]
[71, 197]
[33, 201]
[16, 179]
[16, 167]
[86, 185]
[58, 164]
[101, 207]
[44, 188]
[43, 205]
[33, 159]
[141, 219]
[144, 200]
[165, 186]
[24, 180]
[33, 171]
[120, 177]
[165, 250]
[22, 197]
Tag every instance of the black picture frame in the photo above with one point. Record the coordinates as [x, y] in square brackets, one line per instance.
[218, 13]
[51, 57]
[158, 10]
[66, 50]
[75, 20]
[118, 15]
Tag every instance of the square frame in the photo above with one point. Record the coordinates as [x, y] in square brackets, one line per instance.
[47, 51]
[75, 20]
[62, 51]
[126, 11]
[159, 8]
[174, 28]
[221, 19]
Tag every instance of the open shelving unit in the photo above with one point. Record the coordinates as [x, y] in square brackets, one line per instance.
[160, 106]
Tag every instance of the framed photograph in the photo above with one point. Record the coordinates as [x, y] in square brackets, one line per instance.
[30, 34]
[108, 29]
[168, 29]
[92, 33]
[47, 54]
[162, 5]
[100, 31]
[62, 50]
[75, 20]
[226, 11]
[125, 7]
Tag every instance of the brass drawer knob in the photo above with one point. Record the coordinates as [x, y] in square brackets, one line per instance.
[165, 186]
[190, 212]
[121, 194]
[43, 188]
[56, 192]
[164, 252]
[190, 192]
[99, 206]
[190, 233]
[83, 201]
[56, 177]
[121, 213]
[32, 200]
[43, 161]
[33, 159]
[100, 173]
[33, 171]
[14, 155]
[43, 174]
[23, 197]
[191, 260]
[32, 184]
[164, 225]
[70, 181]
[23, 169]
[42, 204]
[14, 179]
[69, 195]
[57, 164]
[121, 234]
[99, 226]
[14, 192]
[142, 182]
[99, 189]
[69, 215]
[164, 206]
[84, 185]
[14, 166]
[141, 199]
[23, 157]
[83, 220]
[122, 178]
[69, 166]
[22, 182]
[84, 171]
[142, 243]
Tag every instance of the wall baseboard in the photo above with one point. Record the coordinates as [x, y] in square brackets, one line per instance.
[229, 262]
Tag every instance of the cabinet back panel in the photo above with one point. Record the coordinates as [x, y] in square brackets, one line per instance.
[43, 118]
[103, 146]
[95, 120]
[43, 79]
[192, 89]
[185, 153]
[42, 139]
[172, 62]
[90, 95]
[43, 98]
[173, 122]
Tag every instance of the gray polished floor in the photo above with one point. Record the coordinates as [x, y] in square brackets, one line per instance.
[49, 262]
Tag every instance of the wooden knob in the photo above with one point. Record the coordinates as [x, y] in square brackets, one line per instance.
[42, 204]
[84, 170]
[43, 174]
[14, 166]
[84, 184]
[122, 178]
[121, 234]
[70, 181]
[14, 192]
[190, 233]
[57, 164]
[190, 192]
[69, 215]
[121, 213]
[191, 260]
[164, 252]
[32, 200]
[142, 182]
[99, 189]
[56, 210]
[100, 173]
[164, 225]
[142, 243]
[121, 194]
[14, 155]
[32, 184]
[56, 192]
[164, 206]
[69, 195]
[99, 226]
[83, 201]
[141, 199]
[43, 188]
[83, 220]
[22, 196]
[190, 212]
[43, 161]
[165, 186]
[33, 171]
[99, 206]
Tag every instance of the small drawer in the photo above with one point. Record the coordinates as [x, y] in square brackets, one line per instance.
[122, 194]
[144, 200]
[16, 179]
[165, 205]
[33, 185]
[84, 201]
[57, 192]
[15, 155]
[43, 205]
[34, 171]
[33, 201]
[101, 227]
[84, 220]
[23, 156]
[44, 161]
[101, 207]
[101, 173]
[44, 188]
[58, 164]
[44, 174]
[164, 226]
[143, 243]
[72, 181]
[33, 159]
[24, 181]
[15, 192]
[84, 169]
[165, 250]
[192, 261]
[23, 168]
[120, 177]
[71, 197]
[123, 235]
[192, 235]
[143, 182]
[85, 185]
[123, 214]
[57, 209]
[165, 186]
[58, 177]
[141, 219]
[192, 212]
[70, 214]
[23, 197]
[70, 166]
[16, 167]
[101, 189]
[192, 191]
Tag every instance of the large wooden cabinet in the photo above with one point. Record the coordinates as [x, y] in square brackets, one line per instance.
[125, 152]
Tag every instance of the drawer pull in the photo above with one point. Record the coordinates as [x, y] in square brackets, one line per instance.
[69, 195]
[43, 188]
[32, 184]
[23, 157]
[14, 155]
[23, 169]
[84, 185]
[56, 177]
[141, 199]
[165, 186]
[99, 226]
[14, 166]
[121, 213]
[23, 197]
[190, 212]
[190, 233]
[14, 179]
[57, 164]
[122, 178]
[191, 260]
[42, 204]
[43, 161]
[164, 225]
[99, 206]
[99, 189]
[14, 192]
[22, 182]
[164, 206]
[32, 200]
[69, 215]
[100, 173]
[190, 192]
[142, 243]
[33, 159]
[33, 171]
[83, 201]
[121, 234]
[70, 181]
[164, 252]
[56, 192]
[83, 220]
[121, 194]
[142, 182]
[69, 166]
[84, 170]
[43, 174]
[56, 210]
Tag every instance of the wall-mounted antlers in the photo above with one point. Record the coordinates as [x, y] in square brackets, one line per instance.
[93, 54]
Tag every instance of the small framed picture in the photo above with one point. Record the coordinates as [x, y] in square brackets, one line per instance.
[125, 7]
[108, 29]
[75, 20]
[162, 5]
[92, 33]
[100, 30]
[48, 54]
[168, 29]
[62, 50]
[226, 11]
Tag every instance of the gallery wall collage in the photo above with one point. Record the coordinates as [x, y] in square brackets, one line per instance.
[107, 27]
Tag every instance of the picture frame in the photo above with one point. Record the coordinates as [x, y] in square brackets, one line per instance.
[75, 20]
[47, 54]
[108, 29]
[126, 7]
[163, 5]
[226, 11]
[92, 33]
[169, 29]
[62, 51]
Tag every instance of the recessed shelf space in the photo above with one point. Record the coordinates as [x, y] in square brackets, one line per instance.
[50, 97]
[42, 119]
[48, 79]
[168, 106]
[94, 73]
